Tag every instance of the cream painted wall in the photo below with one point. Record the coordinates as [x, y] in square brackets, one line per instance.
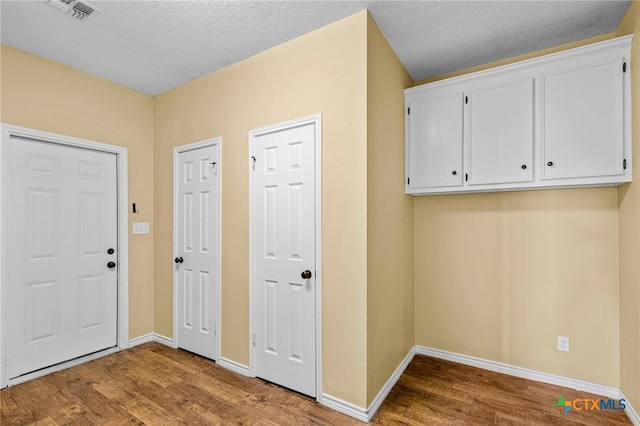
[321, 72]
[44, 95]
[629, 221]
[390, 313]
[499, 276]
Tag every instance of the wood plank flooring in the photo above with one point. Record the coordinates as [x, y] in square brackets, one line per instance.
[155, 385]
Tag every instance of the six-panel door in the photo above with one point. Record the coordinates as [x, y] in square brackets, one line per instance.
[196, 260]
[63, 223]
[284, 301]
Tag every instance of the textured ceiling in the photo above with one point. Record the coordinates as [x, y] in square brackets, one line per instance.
[153, 46]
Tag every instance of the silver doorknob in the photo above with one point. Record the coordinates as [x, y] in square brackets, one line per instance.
[306, 274]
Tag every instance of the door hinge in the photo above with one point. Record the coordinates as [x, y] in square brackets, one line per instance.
[253, 158]
[624, 164]
[408, 110]
[466, 100]
[408, 181]
[466, 177]
[624, 67]
[215, 328]
[253, 339]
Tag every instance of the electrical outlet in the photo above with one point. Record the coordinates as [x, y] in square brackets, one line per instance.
[563, 343]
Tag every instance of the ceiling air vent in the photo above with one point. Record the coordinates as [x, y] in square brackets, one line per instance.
[77, 9]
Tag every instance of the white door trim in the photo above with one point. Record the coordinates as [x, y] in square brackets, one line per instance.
[176, 151]
[7, 131]
[316, 120]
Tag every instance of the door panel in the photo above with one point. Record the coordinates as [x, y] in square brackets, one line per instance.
[284, 222]
[197, 225]
[63, 219]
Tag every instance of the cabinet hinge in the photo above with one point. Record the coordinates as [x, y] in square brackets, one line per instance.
[408, 110]
[624, 67]
[624, 164]
[466, 100]
[466, 177]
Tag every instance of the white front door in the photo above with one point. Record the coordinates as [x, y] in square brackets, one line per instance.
[283, 256]
[196, 260]
[62, 239]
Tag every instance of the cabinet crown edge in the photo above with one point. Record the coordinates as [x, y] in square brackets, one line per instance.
[589, 49]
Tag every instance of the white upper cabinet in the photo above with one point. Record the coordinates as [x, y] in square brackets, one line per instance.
[500, 134]
[582, 121]
[560, 120]
[435, 155]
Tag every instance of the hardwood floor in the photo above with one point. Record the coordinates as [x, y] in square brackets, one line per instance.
[156, 385]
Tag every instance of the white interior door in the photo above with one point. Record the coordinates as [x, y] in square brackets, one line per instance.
[283, 254]
[196, 259]
[63, 234]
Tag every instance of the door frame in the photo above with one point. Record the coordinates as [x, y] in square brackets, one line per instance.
[176, 167]
[316, 120]
[122, 188]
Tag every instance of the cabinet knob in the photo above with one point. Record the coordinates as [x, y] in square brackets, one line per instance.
[550, 163]
[454, 173]
[524, 167]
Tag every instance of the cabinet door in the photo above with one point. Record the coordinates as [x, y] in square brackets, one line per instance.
[582, 121]
[500, 133]
[435, 142]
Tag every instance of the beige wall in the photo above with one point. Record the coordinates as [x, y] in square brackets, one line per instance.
[321, 72]
[629, 218]
[390, 316]
[499, 276]
[44, 95]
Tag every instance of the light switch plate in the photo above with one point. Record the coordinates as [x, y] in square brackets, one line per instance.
[140, 228]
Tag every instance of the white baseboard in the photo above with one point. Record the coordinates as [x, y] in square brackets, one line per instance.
[539, 376]
[366, 414]
[234, 366]
[151, 337]
[362, 414]
[382, 395]
[345, 407]
[631, 413]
